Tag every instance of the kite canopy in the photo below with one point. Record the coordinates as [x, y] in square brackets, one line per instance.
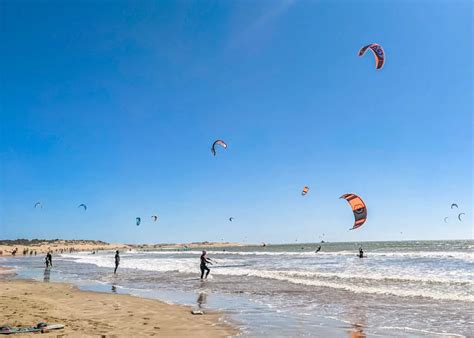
[459, 216]
[378, 53]
[446, 219]
[358, 208]
[305, 191]
[154, 218]
[218, 142]
[139, 220]
[231, 219]
[454, 205]
[82, 206]
[38, 204]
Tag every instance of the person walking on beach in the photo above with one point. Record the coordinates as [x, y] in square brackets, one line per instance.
[204, 262]
[49, 260]
[117, 261]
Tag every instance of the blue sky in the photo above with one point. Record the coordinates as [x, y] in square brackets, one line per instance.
[116, 104]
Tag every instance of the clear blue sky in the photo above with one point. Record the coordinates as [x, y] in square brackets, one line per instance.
[116, 104]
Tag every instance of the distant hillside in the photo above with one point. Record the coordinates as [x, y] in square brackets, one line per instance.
[35, 241]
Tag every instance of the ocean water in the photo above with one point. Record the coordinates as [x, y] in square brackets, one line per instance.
[409, 289]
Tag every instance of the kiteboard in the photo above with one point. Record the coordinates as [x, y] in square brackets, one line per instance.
[6, 329]
[40, 327]
[48, 327]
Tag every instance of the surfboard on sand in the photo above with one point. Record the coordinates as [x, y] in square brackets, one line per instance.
[7, 329]
[40, 327]
[47, 327]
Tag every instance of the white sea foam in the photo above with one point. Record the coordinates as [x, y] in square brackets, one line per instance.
[398, 280]
[466, 256]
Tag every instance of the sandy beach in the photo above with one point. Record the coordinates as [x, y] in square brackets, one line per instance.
[25, 303]
[59, 246]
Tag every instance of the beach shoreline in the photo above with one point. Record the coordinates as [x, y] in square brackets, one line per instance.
[89, 313]
[64, 246]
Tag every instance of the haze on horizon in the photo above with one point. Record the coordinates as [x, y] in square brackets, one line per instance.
[116, 105]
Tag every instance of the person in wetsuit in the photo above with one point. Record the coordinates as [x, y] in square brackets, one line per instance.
[49, 259]
[318, 249]
[361, 253]
[204, 262]
[117, 261]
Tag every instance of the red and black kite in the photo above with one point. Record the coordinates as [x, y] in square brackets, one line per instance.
[358, 208]
[378, 53]
[218, 142]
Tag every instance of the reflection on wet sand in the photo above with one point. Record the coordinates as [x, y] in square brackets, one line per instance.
[202, 299]
[46, 275]
[357, 331]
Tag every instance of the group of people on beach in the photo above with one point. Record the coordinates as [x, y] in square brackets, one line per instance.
[203, 266]
[206, 260]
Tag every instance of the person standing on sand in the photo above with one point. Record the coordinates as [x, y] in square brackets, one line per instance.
[204, 262]
[117, 261]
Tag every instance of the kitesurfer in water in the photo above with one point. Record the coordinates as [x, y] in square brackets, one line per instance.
[204, 261]
[318, 249]
[117, 261]
[361, 253]
[49, 260]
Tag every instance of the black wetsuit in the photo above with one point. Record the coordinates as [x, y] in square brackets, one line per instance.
[117, 262]
[361, 253]
[49, 260]
[204, 267]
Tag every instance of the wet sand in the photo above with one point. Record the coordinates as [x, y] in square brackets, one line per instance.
[25, 303]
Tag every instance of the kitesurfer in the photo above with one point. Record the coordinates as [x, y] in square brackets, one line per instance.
[49, 260]
[204, 261]
[318, 249]
[117, 261]
[361, 253]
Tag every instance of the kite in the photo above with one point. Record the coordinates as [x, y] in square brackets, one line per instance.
[378, 53]
[39, 204]
[358, 208]
[305, 191]
[454, 205]
[459, 216]
[231, 219]
[446, 219]
[218, 142]
[139, 220]
[154, 218]
[83, 205]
